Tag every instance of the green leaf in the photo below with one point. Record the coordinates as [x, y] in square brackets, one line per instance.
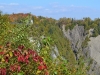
[55, 73]
[45, 52]
[20, 73]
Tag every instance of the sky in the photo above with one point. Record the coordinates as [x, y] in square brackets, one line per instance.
[77, 9]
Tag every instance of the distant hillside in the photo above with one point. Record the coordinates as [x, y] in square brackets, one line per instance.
[69, 37]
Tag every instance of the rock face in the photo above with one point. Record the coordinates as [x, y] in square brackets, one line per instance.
[94, 46]
[55, 52]
[76, 37]
[94, 69]
[92, 52]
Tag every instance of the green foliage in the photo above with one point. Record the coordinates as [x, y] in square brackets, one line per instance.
[5, 28]
[69, 27]
[95, 32]
[85, 42]
[19, 34]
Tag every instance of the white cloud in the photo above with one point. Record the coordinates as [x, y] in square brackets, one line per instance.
[54, 3]
[13, 4]
[47, 9]
[1, 6]
[72, 5]
[37, 7]
[55, 6]
[2, 3]
[7, 4]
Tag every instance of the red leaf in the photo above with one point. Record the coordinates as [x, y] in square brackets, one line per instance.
[40, 67]
[6, 58]
[2, 71]
[20, 47]
[17, 53]
[1, 53]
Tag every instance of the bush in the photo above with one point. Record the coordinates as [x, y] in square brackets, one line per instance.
[21, 61]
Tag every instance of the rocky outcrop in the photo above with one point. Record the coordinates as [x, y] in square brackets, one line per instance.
[55, 52]
[94, 45]
[76, 37]
[94, 49]
[91, 52]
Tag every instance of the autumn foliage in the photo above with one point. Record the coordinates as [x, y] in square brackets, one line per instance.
[15, 17]
[17, 58]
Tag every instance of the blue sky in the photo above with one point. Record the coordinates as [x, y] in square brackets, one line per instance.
[53, 8]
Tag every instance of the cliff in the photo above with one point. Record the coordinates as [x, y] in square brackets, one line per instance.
[91, 52]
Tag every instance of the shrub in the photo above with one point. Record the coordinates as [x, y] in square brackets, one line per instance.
[21, 61]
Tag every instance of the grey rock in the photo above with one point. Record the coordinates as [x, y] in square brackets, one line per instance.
[94, 45]
[54, 52]
[91, 53]
[76, 37]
